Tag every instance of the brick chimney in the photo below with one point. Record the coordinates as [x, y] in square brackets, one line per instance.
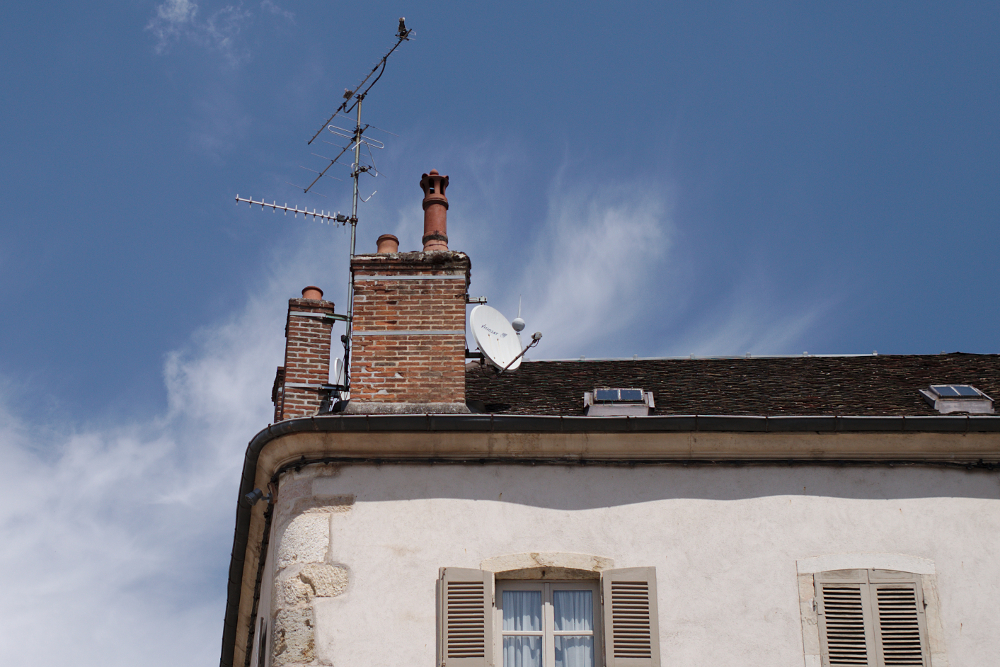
[409, 320]
[302, 384]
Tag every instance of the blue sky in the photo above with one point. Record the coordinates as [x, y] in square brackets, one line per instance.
[654, 179]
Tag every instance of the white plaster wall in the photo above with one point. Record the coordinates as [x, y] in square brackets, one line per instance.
[724, 541]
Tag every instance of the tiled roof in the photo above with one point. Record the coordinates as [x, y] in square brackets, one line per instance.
[858, 385]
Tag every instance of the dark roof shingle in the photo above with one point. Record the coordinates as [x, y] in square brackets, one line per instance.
[860, 385]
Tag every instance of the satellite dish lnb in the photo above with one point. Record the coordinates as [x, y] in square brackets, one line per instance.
[495, 337]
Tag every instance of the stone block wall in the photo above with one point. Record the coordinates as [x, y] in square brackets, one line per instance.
[303, 570]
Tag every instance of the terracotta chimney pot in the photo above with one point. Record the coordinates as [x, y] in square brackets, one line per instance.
[387, 244]
[435, 211]
[312, 292]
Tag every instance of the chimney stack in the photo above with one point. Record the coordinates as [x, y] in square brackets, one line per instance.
[435, 211]
[408, 343]
[303, 383]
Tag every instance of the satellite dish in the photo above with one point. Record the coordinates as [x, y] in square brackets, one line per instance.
[495, 337]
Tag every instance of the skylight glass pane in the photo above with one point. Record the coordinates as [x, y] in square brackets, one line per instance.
[632, 395]
[965, 390]
[607, 394]
[945, 390]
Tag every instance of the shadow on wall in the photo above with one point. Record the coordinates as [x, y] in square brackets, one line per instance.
[594, 486]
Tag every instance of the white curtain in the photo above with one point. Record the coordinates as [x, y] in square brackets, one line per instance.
[574, 651]
[574, 612]
[522, 612]
[522, 652]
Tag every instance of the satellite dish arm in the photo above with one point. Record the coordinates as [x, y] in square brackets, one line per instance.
[535, 338]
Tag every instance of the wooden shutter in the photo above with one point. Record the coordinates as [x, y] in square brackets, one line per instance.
[901, 634]
[631, 629]
[465, 617]
[845, 625]
[871, 617]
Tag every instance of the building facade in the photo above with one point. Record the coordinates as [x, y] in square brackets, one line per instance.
[753, 511]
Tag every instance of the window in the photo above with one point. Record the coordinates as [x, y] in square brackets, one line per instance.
[547, 624]
[871, 617]
[534, 623]
[617, 402]
[947, 398]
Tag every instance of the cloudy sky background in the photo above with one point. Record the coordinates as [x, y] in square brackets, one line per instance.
[712, 178]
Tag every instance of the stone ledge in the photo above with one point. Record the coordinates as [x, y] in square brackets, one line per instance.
[372, 408]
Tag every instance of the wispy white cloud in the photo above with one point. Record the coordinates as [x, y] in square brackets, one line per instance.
[587, 277]
[117, 535]
[178, 20]
[748, 325]
[603, 267]
[273, 8]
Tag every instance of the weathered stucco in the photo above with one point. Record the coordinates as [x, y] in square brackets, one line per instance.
[356, 550]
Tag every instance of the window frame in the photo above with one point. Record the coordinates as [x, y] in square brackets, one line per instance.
[548, 632]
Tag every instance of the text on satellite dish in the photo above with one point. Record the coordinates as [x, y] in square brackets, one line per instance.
[495, 333]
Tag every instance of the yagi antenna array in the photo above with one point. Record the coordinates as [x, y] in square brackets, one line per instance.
[323, 216]
[356, 138]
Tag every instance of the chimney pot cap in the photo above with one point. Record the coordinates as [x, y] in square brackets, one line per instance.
[386, 244]
[312, 292]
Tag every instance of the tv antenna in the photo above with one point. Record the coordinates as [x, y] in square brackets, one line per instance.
[356, 138]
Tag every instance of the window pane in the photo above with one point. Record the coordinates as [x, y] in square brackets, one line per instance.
[574, 610]
[573, 652]
[522, 611]
[607, 394]
[522, 651]
[632, 395]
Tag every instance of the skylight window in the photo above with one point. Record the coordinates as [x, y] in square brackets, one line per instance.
[955, 390]
[946, 398]
[618, 396]
[617, 402]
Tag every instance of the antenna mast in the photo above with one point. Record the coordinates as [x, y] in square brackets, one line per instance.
[353, 100]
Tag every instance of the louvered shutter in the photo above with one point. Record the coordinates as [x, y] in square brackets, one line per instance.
[845, 624]
[899, 619]
[465, 617]
[871, 617]
[631, 629]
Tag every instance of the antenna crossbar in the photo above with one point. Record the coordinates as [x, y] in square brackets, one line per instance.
[402, 36]
[323, 216]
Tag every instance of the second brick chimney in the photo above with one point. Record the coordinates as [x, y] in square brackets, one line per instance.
[302, 384]
[408, 338]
